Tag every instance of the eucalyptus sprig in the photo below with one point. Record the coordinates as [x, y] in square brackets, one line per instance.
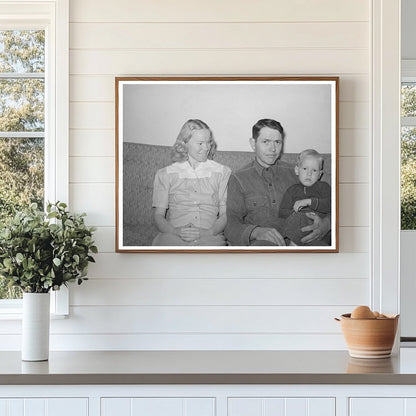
[40, 251]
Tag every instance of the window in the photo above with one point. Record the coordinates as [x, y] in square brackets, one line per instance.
[33, 110]
[22, 124]
[408, 151]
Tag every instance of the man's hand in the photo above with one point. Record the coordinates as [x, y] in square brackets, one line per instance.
[268, 234]
[302, 203]
[319, 227]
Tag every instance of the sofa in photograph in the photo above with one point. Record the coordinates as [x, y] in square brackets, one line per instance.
[140, 163]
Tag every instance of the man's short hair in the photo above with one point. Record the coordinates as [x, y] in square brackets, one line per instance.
[267, 122]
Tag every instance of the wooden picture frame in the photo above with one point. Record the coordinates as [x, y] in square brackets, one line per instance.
[150, 112]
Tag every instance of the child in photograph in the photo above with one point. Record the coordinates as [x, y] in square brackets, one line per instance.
[310, 195]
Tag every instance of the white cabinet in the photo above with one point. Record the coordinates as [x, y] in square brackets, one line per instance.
[208, 400]
[44, 407]
[273, 406]
[157, 406]
[379, 406]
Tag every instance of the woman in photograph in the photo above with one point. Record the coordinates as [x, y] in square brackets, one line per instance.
[189, 196]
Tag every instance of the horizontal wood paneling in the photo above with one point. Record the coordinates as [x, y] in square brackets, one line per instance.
[213, 301]
[219, 291]
[353, 170]
[87, 115]
[354, 205]
[200, 319]
[218, 11]
[96, 199]
[94, 143]
[221, 35]
[354, 239]
[184, 341]
[231, 266]
[195, 320]
[354, 87]
[354, 115]
[91, 169]
[104, 238]
[220, 62]
[95, 88]
[354, 142]
[98, 88]
[101, 115]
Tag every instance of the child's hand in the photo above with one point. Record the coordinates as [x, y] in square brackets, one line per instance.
[302, 203]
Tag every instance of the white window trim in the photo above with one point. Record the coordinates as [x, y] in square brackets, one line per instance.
[385, 207]
[53, 15]
[409, 70]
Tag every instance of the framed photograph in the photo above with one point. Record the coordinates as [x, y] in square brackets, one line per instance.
[226, 164]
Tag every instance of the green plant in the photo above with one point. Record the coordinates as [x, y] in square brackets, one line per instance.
[42, 251]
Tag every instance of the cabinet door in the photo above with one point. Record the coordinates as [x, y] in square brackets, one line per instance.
[155, 406]
[381, 406]
[272, 406]
[44, 407]
[377, 407]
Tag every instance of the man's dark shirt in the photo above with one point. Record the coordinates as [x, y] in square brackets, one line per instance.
[253, 199]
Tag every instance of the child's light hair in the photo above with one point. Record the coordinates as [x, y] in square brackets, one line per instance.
[310, 153]
[180, 150]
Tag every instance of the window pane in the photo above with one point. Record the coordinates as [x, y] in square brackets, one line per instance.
[22, 109]
[22, 51]
[21, 173]
[22, 105]
[408, 178]
[9, 292]
[408, 100]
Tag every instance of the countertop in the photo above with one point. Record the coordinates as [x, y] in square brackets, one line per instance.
[208, 367]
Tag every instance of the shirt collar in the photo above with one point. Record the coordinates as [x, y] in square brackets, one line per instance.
[185, 165]
[260, 169]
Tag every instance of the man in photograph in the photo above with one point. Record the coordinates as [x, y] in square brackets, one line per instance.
[255, 193]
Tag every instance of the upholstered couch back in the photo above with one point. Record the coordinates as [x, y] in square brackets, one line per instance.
[140, 163]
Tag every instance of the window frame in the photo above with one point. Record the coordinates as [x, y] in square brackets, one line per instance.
[385, 153]
[53, 17]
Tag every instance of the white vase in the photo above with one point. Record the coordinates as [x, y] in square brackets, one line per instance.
[35, 326]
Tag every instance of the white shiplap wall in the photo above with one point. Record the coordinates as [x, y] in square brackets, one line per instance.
[214, 301]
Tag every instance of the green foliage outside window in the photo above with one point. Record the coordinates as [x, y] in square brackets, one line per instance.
[21, 110]
[408, 160]
[408, 179]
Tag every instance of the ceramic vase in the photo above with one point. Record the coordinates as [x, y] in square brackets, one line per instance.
[35, 326]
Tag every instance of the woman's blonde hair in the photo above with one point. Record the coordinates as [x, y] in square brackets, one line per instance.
[180, 151]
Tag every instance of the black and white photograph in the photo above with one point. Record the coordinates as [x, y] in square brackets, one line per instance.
[226, 164]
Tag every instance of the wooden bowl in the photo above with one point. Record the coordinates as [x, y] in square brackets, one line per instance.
[369, 338]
